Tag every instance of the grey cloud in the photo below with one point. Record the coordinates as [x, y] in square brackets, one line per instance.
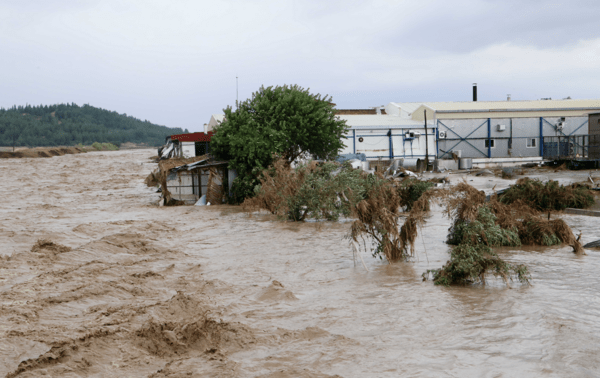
[175, 63]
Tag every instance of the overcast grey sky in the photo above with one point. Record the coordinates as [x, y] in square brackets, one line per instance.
[175, 62]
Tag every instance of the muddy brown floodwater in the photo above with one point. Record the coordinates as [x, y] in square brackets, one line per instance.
[96, 281]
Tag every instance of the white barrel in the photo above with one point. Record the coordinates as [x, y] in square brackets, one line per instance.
[465, 163]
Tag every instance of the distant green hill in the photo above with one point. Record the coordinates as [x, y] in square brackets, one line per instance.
[67, 125]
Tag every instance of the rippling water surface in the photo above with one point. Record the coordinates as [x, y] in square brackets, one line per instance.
[313, 311]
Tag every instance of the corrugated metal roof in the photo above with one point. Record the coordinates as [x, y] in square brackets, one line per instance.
[504, 105]
[378, 120]
[408, 107]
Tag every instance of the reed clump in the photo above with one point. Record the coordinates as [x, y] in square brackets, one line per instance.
[377, 218]
[548, 196]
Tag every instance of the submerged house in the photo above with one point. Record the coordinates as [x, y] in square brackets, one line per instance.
[188, 173]
[198, 177]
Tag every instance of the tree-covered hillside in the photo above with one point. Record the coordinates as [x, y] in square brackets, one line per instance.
[70, 124]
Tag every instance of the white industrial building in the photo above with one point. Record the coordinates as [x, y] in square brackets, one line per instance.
[480, 132]
[384, 137]
[506, 132]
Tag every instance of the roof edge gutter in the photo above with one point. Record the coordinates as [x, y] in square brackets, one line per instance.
[515, 110]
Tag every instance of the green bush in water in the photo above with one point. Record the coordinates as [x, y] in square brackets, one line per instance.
[311, 191]
[469, 263]
[483, 230]
[411, 190]
[548, 196]
[472, 257]
[328, 192]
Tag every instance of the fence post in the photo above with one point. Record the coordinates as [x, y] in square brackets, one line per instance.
[542, 137]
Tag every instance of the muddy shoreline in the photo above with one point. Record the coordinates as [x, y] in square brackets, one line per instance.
[40, 152]
[126, 288]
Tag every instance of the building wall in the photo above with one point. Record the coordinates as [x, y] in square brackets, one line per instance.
[188, 149]
[594, 124]
[594, 131]
[376, 143]
[520, 137]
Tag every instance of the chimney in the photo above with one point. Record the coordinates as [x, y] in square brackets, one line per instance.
[474, 91]
[508, 97]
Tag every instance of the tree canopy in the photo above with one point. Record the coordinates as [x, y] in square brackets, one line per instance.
[277, 122]
[71, 124]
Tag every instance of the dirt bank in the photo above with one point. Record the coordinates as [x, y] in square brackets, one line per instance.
[95, 280]
[41, 152]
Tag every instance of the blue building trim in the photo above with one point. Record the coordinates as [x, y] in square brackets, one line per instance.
[489, 124]
[391, 149]
[580, 126]
[437, 141]
[542, 136]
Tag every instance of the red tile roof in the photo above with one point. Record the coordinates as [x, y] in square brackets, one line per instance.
[193, 137]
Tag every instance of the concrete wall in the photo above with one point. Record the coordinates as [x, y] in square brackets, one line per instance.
[188, 149]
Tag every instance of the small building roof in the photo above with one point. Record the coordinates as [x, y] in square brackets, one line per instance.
[218, 117]
[215, 120]
[193, 137]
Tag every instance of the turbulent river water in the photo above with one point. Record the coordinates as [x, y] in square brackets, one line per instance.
[130, 289]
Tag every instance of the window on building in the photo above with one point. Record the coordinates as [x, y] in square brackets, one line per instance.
[531, 142]
[490, 143]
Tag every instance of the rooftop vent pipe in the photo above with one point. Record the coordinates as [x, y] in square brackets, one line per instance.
[474, 91]
[508, 97]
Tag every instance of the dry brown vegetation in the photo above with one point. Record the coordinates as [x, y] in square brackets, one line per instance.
[478, 224]
[312, 191]
[377, 218]
[548, 196]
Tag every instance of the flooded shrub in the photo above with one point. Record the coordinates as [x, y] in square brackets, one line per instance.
[470, 263]
[411, 190]
[378, 216]
[378, 220]
[483, 230]
[311, 191]
[548, 196]
[536, 231]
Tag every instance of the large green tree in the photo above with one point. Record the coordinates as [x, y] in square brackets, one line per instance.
[277, 122]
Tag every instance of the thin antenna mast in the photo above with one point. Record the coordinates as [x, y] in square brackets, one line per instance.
[236, 92]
